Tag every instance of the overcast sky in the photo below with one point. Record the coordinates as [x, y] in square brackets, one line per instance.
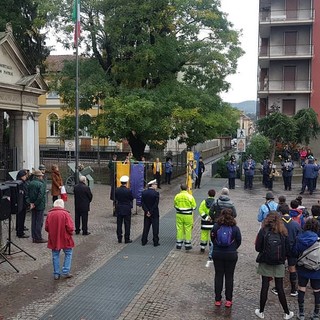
[244, 15]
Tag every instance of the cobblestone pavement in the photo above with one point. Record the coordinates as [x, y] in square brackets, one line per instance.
[181, 288]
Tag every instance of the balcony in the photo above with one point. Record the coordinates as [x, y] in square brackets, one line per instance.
[301, 51]
[286, 16]
[281, 86]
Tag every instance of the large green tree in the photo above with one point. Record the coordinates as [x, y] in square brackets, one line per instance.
[28, 19]
[163, 64]
[307, 125]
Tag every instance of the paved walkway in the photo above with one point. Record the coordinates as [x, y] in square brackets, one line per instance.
[128, 281]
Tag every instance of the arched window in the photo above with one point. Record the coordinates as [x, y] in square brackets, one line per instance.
[53, 125]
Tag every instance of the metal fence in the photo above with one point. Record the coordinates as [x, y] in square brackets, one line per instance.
[101, 172]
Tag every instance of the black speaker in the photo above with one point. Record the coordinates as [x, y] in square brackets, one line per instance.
[5, 203]
[17, 195]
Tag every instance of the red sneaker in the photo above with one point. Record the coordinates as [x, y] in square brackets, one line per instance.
[217, 303]
[228, 304]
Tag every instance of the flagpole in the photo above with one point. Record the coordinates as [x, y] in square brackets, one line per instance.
[76, 172]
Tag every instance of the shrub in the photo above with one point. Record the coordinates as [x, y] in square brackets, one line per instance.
[259, 148]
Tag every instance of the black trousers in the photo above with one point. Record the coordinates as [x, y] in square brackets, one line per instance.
[232, 183]
[20, 220]
[280, 290]
[198, 180]
[168, 177]
[224, 270]
[248, 182]
[147, 223]
[84, 221]
[287, 182]
[126, 220]
[157, 176]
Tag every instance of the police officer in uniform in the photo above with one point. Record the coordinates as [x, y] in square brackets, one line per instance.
[124, 199]
[150, 203]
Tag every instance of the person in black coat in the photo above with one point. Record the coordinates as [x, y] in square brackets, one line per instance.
[201, 168]
[82, 199]
[150, 202]
[21, 215]
[124, 199]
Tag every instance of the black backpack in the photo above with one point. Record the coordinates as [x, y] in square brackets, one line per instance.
[215, 211]
[274, 248]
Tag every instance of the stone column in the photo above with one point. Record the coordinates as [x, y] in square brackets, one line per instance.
[24, 135]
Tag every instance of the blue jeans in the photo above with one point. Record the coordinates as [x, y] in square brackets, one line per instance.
[66, 264]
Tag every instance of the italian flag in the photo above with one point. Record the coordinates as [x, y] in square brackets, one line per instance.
[76, 20]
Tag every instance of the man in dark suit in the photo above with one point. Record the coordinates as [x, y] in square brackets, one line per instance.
[150, 202]
[124, 199]
[82, 199]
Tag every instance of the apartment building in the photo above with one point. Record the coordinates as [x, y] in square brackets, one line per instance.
[288, 58]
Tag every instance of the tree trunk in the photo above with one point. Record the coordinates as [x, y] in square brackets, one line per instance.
[273, 150]
[137, 145]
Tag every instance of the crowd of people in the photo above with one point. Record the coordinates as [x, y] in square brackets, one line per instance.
[59, 225]
[287, 236]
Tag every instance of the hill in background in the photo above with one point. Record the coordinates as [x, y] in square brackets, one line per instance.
[248, 106]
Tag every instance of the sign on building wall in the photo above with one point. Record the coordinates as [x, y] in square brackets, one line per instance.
[70, 145]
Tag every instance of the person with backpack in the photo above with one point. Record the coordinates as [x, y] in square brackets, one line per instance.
[295, 213]
[267, 207]
[294, 229]
[307, 269]
[223, 202]
[206, 221]
[226, 239]
[273, 246]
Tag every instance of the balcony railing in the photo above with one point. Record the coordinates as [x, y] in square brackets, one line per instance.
[299, 50]
[287, 15]
[281, 85]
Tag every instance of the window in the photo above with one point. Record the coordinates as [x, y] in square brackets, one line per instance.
[289, 107]
[53, 95]
[53, 124]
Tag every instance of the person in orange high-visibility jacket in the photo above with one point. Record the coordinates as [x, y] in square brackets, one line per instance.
[185, 204]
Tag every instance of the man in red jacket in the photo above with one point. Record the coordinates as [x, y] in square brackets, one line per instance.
[60, 227]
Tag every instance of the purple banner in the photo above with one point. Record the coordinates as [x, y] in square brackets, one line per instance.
[137, 181]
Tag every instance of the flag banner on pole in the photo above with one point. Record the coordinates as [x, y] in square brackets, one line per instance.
[196, 158]
[123, 169]
[76, 20]
[137, 181]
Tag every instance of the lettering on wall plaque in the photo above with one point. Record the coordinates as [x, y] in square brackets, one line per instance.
[6, 70]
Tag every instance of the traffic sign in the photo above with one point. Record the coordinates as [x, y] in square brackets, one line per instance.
[241, 133]
[241, 145]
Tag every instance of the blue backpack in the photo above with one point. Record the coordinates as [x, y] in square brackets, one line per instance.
[224, 236]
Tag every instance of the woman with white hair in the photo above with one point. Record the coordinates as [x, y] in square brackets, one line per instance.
[59, 226]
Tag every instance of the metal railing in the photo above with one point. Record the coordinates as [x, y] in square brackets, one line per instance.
[286, 15]
[281, 85]
[298, 50]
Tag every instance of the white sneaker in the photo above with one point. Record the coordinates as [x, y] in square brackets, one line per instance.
[209, 263]
[260, 314]
[288, 316]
